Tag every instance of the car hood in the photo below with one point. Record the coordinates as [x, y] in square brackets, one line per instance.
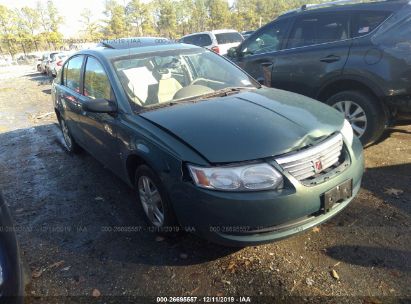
[249, 125]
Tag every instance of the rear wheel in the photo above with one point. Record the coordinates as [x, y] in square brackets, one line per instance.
[364, 113]
[70, 143]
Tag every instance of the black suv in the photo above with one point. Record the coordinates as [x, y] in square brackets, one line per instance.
[354, 57]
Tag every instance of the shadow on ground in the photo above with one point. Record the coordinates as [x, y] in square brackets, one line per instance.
[74, 203]
[394, 129]
[372, 256]
[41, 79]
[398, 177]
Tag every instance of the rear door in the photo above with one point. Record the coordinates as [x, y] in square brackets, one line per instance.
[68, 95]
[316, 50]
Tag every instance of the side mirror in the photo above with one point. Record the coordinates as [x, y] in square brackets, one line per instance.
[99, 106]
[232, 53]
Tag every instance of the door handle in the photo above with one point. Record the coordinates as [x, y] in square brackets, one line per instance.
[330, 58]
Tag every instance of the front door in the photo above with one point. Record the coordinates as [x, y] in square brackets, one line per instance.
[260, 50]
[99, 129]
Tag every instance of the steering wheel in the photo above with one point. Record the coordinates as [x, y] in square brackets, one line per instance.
[191, 91]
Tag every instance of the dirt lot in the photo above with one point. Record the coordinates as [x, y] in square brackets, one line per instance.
[63, 204]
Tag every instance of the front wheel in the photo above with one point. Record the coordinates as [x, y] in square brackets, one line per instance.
[364, 113]
[153, 199]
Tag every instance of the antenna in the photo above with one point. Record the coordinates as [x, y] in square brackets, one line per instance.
[106, 44]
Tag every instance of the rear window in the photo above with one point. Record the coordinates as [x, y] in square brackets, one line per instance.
[398, 35]
[225, 38]
[365, 22]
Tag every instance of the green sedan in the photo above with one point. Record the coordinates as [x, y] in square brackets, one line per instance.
[206, 147]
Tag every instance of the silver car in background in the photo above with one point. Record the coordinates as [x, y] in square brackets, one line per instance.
[57, 62]
[46, 58]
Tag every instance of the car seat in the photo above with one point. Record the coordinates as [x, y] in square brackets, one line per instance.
[167, 86]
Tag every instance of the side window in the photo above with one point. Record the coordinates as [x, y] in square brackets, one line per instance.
[190, 39]
[203, 40]
[268, 40]
[72, 73]
[96, 82]
[365, 22]
[185, 40]
[199, 40]
[316, 29]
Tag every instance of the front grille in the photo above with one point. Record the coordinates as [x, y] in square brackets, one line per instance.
[313, 161]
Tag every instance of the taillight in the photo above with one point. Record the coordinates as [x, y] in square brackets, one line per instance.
[216, 49]
[60, 63]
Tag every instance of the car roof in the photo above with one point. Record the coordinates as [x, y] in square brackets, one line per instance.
[110, 53]
[338, 6]
[223, 31]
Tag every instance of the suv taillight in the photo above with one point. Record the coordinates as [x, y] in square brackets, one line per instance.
[216, 49]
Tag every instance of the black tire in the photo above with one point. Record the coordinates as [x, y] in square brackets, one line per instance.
[169, 224]
[70, 143]
[376, 119]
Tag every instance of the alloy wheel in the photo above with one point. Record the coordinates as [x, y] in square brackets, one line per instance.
[151, 201]
[66, 134]
[354, 114]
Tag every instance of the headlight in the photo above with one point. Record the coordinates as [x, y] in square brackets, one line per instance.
[347, 132]
[239, 178]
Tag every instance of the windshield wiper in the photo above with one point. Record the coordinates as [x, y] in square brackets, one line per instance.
[229, 90]
[222, 92]
[225, 92]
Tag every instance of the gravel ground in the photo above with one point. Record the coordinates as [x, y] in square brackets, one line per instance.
[64, 207]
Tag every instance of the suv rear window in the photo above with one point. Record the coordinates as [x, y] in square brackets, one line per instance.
[397, 35]
[225, 38]
[365, 22]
